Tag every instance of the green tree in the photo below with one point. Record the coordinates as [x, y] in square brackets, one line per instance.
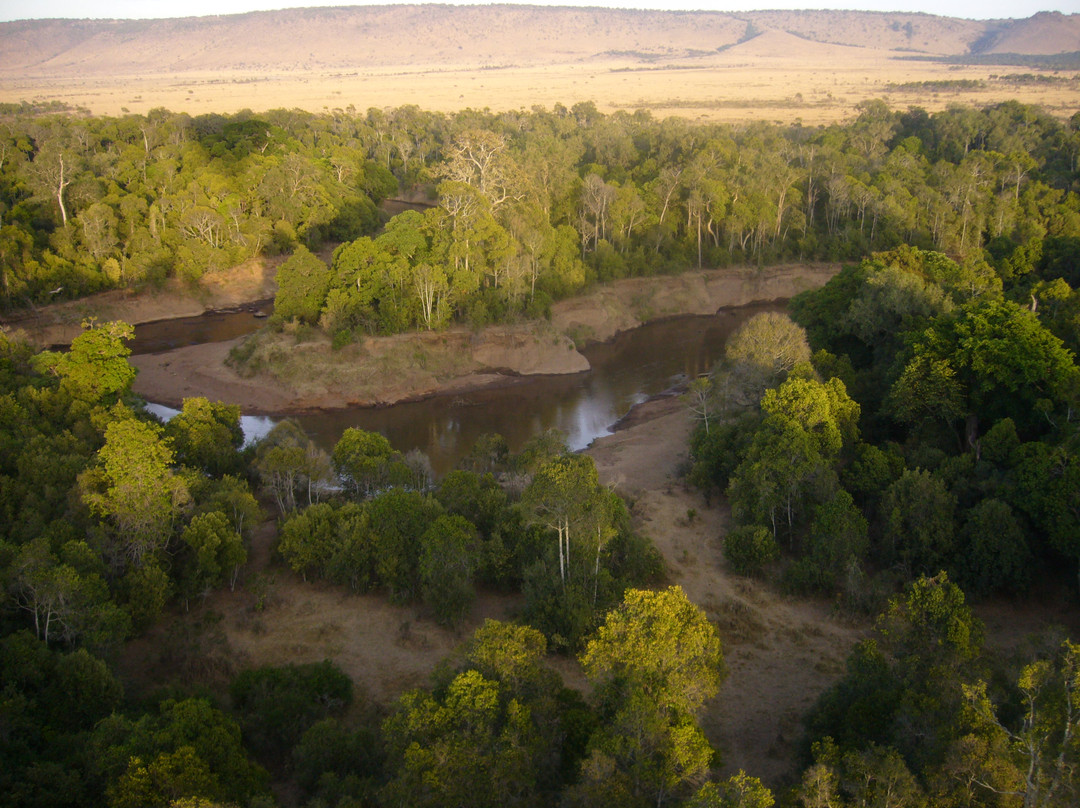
[277, 705]
[309, 540]
[303, 281]
[207, 436]
[448, 561]
[134, 488]
[749, 548]
[1040, 752]
[398, 521]
[664, 644]
[994, 551]
[469, 746]
[760, 355]
[738, 791]
[920, 525]
[653, 663]
[563, 495]
[95, 367]
[216, 551]
[360, 459]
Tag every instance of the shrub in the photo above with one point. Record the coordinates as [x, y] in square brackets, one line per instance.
[749, 548]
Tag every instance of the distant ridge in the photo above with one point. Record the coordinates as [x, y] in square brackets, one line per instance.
[360, 37]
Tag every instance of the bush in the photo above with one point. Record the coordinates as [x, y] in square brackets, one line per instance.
[749, 548]
[276, 706]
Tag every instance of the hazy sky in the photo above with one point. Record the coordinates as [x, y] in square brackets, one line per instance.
[122, 9]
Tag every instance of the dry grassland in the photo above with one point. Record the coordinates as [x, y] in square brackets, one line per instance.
[774, 77]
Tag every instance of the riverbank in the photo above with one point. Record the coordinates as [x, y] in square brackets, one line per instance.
[60, 323]
[284, 374]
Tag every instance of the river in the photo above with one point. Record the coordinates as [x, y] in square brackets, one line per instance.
[629, 369]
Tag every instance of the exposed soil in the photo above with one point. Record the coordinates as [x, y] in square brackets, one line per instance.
[781, 653]
[60, 323]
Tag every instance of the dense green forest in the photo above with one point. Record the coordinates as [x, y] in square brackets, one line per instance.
[905, 443]
[528, 206]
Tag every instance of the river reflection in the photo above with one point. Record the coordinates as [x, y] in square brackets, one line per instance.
[626, 371]
[213, 326]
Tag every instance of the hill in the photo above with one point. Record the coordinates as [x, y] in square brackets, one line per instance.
[811, 65]
[375, 36]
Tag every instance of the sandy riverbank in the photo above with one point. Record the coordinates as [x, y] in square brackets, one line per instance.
[60, 323]
[309, 375]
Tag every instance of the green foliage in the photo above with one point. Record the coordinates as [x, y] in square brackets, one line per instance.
[216, 551]
[95, 368]
[308, 539]
[186, 749]
[904, 690]
[738, 791]
[333, 763]
[303, 281]
[920, 526]
[994, 554]
[277, 705]
[661, 643]
[290, 466]
[653, 662]
[469, 747]
[361, 461]
[51, 701]
[996, 361]
[447, 564]
[207, 436]
[759, 356]
[134, 488]
[750, 548]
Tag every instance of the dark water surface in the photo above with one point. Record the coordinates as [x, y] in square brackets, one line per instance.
[213, 326]
[625, 371]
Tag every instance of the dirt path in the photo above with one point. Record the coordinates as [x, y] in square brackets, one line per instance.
[781, 653]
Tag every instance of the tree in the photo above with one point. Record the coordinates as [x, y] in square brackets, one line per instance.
[749, 548]
[277, 705]
[286, 460]
[875, 776]
[468, 746]
[207, 436]
[448, 560]
[837, 539]
[920, 526]
[564, 495]
[303, 281]
[738, 791]
[1042, 749]
[217, 551]
[759, 355]
[95, 367]
[1002, 363]
[662, 643]
[309, 540]
[653, 663]
[182, 739]
[398, 521]
[134, 488]
[68, 600]
[360, 459]
[995, 554]
[698, 398]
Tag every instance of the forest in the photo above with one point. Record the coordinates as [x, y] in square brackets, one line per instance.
[903, 444]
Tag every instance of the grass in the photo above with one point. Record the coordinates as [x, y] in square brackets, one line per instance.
[728, 86]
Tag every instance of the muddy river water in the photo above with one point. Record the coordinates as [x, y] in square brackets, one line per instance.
[627, 370]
